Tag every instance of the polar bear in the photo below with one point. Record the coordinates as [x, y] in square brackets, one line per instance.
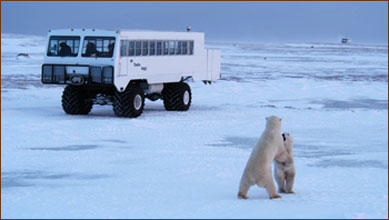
[285, 172]
[259, 166]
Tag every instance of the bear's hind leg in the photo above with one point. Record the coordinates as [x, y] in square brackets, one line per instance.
[271, 189]
[289, 182]
[243, 193]
[244, 187]
[280, 179]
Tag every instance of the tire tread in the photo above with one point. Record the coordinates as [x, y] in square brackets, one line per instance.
[172, 94]
[75, 102]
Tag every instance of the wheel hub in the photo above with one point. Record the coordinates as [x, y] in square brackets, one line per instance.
[137, 102]
[186, 98]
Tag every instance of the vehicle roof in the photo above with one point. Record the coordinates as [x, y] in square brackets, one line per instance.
[85, 31]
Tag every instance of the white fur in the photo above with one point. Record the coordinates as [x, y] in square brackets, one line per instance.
[285, 171]
[259, 166]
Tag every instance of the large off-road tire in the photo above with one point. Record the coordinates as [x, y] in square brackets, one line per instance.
[75, 101]
[176, 96]
[129, 103]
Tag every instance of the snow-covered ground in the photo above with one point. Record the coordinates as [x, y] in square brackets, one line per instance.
[333, 98]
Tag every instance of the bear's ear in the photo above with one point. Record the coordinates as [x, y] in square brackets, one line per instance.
[267, 118]
[280, 119]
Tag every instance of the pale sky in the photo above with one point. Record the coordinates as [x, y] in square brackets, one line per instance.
[364, 22]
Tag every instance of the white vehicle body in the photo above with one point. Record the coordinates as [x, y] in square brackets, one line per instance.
[123, 67]
[203, 64]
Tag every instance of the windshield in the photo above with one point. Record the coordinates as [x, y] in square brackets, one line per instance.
[63, 46]
[98, 47]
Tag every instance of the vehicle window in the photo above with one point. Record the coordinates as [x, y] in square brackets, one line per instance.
[131, 48]
[100, 47]
[191, 47]
[64, 46]
[123, 48]
[152, 48]
[138, 48]
[145, 48]
[184, 47]
[171, 47]
[178, 47]
[159, 47]
[165, 47]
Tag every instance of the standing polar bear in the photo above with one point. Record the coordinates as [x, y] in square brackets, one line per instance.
[285, 172]
[259, 166]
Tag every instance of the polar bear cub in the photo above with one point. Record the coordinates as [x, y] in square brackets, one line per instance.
[285, 172]
[259, 166]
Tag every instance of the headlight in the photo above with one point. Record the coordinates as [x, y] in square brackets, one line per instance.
[108, 75]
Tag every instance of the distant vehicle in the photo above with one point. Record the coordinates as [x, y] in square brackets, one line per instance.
[124, 67]
[346, 40]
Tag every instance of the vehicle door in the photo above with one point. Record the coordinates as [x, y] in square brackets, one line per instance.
[123, 59]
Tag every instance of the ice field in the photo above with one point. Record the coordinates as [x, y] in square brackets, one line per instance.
[333, 98]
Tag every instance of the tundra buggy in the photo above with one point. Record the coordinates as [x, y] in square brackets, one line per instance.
[122, 68]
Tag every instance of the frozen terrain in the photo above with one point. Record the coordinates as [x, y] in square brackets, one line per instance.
[333, 98]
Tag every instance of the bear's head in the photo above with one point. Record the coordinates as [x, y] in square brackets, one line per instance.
[288, 140]
[273, 122]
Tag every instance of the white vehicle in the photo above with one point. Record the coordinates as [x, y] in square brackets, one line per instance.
[124, 67]
[346, 40]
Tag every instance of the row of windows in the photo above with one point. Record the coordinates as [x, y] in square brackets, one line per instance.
[155, 47]
[103, 47]
[92, 47]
